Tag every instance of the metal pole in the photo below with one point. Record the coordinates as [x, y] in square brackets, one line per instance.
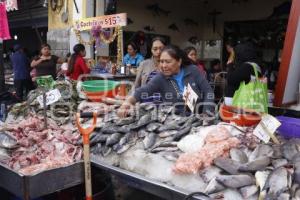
[2, 78]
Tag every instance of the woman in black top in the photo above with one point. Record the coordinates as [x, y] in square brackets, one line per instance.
[241, 70]
[45, 64]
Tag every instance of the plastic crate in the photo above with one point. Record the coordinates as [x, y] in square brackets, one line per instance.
[290, 127]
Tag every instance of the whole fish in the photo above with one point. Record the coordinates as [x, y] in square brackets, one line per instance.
[296, 158]
[153, 126]
[209, 173]
[4, 155]
[168, 133]
[261, 150]
[248, 191]
[97, 149]
[171, 156]
[238, 155]
[106, 150]
[7, 141]
[165, 149]
[113, 139]
[99, 138]
[169, 126]
[144, 120]
[149, 140]
[297, 172]
[125, 121]
[259, 164]
[228, 165]
[213, 186]
[279, 163]
[182, 133]
[142, 133]
[261, 179]
[230, 194]
[236, 181]
[289, 149]
[276, 183]
[109, 129]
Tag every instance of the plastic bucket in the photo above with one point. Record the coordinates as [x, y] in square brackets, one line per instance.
[290, 127]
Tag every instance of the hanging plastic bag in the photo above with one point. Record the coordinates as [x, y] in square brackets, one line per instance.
[253, 95]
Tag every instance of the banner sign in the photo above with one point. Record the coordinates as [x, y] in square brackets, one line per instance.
[106, 21]
[4, 30]
[11, 5]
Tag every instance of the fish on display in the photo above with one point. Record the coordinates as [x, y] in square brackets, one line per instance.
[213, 186]
[259, 164]
[167, 133]
[190, 22]
[228, 165]
[142, 133]
[149, 28]
[153, 126]
[149, 140]
[173, 27]
[248, 191]
[125, 121]
[209, 173]
[170, 156]
[238, 155]
[185, 130]
[113, 139]
[4, 155]
[157, 10]
[7, 141]
[236, 181]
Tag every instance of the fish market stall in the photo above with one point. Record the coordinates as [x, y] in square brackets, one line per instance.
[170, 156]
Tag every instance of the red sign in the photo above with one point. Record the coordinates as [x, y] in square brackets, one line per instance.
[4, 30]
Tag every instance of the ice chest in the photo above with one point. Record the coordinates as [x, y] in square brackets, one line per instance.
[290, 127]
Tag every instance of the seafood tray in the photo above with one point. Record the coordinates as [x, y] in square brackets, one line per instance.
[142, 183]
[46, 182]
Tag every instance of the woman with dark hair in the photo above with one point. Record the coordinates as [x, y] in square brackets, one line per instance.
[176, 73]
[148, 68]
[192, 54]
[77, 65]
[45, 64]
[132, 58]
[246, 56]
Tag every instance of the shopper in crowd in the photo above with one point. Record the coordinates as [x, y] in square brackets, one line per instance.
[21, 69]
[133, 58]
[77, 65]
[230, 50]
[177, 72]
[242, 70]
[45, 63]
[192, 54]
[215, 68]
[150, 67]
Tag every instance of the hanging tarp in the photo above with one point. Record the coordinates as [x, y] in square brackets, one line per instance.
[4, 30]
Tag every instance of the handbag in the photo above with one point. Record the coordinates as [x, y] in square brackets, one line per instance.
[253, 95]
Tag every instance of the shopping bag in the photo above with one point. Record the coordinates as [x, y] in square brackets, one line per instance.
[253, 95]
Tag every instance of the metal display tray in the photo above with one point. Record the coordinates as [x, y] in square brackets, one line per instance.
[142, 183]
[44, 183]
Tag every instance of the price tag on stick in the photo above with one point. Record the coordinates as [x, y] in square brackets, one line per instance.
[51, 97]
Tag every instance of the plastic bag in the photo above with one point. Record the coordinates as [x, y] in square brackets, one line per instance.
[253, 95]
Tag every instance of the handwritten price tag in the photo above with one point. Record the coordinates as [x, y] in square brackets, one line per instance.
[266, 128]
[190, 97]
[51, 97]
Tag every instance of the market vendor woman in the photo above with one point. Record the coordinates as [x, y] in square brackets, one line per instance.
[45, 64]
[176, 73]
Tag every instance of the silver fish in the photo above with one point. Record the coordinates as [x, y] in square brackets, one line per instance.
[144, 120]
[238, 155]
[277, 183]
[4, 155]
[7, 141]
[296, 158]
[106, 151]
[167, 133]
[153, 126]
[261, 179]
[125, 121]
[230, 194]
[209, 173]
[182, 133]
[279, 163]
[297, 173]
[149, 140]
[169, 126]
[261, 150]
[235, 181]
[289, 149]
[259, 164]
[171, 156]
[228, 165]
[284, 196]
[97, 149]
[113, 139]
[142, 133]
[159, 149]
[213, 187]
[248, 191]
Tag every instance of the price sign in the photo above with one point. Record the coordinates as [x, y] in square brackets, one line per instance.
[106, 21]
[266, 128]
[190, 97]
[51, 97]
